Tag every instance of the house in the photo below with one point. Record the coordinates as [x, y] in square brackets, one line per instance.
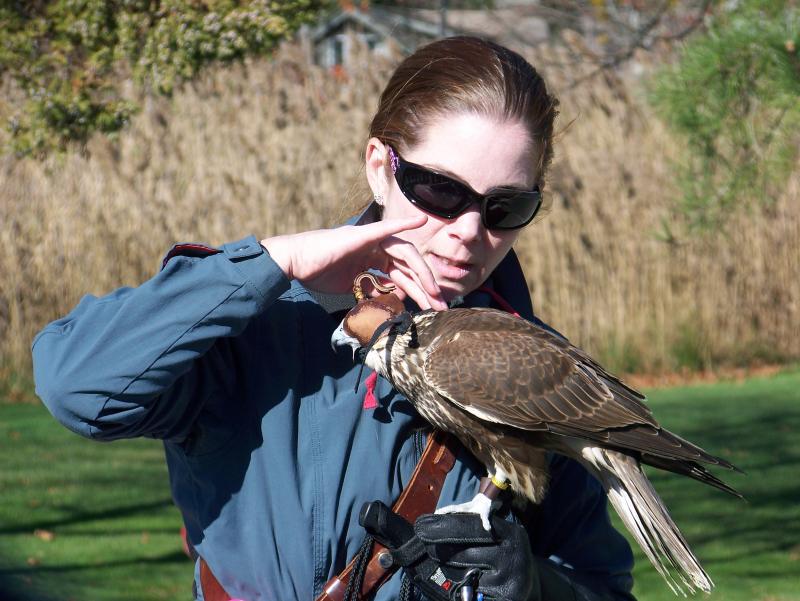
[382, 28]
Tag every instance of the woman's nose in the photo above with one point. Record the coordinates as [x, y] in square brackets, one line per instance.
[467, 227]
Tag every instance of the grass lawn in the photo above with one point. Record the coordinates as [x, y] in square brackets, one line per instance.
[84, 520]
[91, 522]
[751, 549]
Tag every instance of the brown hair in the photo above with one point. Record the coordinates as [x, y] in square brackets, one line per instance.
[465, 74]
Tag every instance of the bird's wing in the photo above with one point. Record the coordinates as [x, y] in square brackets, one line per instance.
[526, 377]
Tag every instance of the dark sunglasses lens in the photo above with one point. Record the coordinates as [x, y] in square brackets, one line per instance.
[508, 211]
[433, 192]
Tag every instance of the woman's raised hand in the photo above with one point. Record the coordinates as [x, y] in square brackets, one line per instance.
[328, 260]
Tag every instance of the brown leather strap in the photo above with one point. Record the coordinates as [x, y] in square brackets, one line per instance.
[212, 589]
[419, 497]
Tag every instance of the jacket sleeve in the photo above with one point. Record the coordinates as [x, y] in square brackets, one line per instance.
[581, 556]
[120, 366]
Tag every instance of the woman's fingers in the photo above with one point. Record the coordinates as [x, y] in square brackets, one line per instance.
[406, 286]
[408, 283]
[328, 260]
[400, 259]
[373, 233]
[407, 258]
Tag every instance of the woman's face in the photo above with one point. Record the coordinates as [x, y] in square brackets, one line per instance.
[483, 153]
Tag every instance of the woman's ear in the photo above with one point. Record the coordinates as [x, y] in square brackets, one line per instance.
[375, 161]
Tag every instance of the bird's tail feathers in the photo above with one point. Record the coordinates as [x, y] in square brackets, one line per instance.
[646, 517]
[692, 470]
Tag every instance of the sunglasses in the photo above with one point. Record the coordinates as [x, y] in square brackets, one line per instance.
[437, 194]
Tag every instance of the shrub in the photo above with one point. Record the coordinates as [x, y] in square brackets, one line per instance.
[71, 59]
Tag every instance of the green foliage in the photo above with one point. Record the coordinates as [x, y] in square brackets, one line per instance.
[734, 96]
[71, 59]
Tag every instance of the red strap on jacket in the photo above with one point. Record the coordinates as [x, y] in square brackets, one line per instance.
[189, 250]
[370, 401]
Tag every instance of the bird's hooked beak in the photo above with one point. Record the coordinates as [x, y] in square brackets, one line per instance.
[341, 338]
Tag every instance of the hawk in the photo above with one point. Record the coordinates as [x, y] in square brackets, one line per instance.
[510, 390]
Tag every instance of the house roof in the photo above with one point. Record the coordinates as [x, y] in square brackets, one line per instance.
[510, 26]
[402, 26]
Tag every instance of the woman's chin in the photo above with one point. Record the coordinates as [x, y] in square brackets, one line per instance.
[451, 290]
[454, 282]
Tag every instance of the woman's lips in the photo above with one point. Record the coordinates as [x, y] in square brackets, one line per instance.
[450, 269]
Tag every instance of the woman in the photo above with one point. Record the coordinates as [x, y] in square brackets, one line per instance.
[225, 353]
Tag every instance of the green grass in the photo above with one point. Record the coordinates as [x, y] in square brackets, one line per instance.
[108, 507]
[751, 549]
[115, 532]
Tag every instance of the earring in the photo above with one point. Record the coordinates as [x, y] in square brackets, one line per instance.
[377, 199]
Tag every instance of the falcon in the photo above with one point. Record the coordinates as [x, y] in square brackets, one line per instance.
[510, 390]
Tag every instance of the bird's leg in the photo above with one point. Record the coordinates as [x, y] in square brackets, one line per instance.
[482, 502]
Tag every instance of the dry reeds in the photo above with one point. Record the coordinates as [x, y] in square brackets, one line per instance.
[275, 147]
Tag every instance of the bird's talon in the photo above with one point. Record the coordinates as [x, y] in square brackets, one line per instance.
[480, 504]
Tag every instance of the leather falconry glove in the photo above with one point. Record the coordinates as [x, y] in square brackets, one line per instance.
[443, 553]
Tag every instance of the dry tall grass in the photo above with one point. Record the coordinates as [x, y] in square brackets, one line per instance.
[276, 147]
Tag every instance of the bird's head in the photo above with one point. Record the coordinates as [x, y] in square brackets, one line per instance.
[368, 327]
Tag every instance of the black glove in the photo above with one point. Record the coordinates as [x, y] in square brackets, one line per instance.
[443, 553]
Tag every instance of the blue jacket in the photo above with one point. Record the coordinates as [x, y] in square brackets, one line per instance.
[270, 453]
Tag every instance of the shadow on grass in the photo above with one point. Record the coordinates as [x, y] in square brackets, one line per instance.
[171, 557]
[11, 592]
[81, 516]
[31, 583]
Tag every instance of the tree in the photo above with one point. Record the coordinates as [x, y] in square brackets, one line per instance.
[70, 58]
[733, 97]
